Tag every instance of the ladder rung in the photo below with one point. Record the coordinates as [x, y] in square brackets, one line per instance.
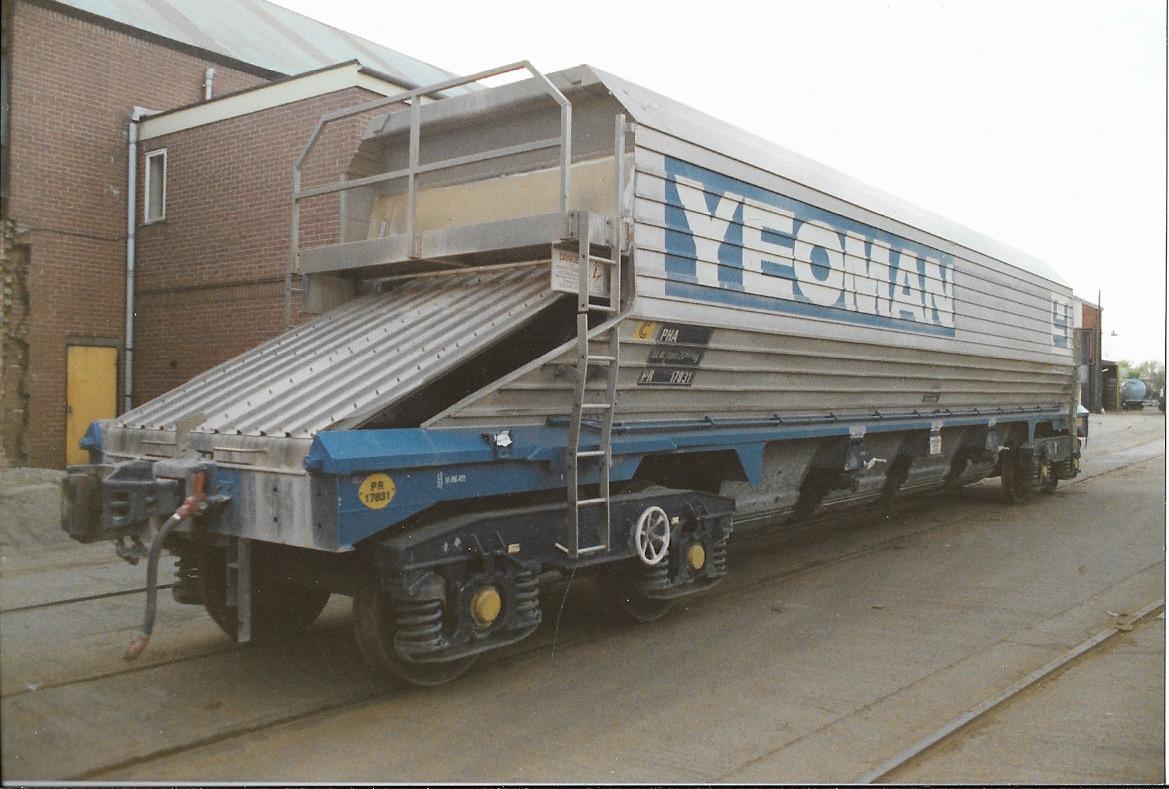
[590, 502]
[601, 307]
[590, 453]
[607, 261]
[595, 406]
[597, 359]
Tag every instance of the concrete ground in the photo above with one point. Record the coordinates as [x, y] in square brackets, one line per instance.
[1101, 720]
[829, 648]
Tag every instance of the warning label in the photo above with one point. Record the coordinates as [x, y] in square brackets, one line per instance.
[566, 274]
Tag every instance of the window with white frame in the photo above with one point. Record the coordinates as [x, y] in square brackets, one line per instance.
[154, 206]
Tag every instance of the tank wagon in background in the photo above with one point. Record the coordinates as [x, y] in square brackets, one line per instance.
[572, 325]
[1132, 394]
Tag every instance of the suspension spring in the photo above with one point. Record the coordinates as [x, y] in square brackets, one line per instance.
[527, 600]
[1028, 470]
[419, 621]
[656, 577]
[186, 570]
[186, 588]
[718, 558]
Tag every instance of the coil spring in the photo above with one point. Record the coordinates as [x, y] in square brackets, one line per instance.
[527, 599]
[1027, 471]
[186, 571]
[419, 621]
[186, 588]
[718, 558]
[656, 577]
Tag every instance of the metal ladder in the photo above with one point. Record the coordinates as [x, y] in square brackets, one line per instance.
[609, 330]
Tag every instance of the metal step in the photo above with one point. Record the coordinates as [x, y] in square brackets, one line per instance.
[590, 453]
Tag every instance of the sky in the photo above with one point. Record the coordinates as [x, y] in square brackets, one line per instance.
[1039, 123]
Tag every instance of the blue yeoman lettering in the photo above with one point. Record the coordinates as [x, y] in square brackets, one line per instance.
[732, 242]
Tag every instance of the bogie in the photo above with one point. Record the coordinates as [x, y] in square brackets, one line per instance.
[376, 623]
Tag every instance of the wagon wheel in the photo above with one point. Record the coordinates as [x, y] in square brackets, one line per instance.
[1047, 477]
[1017, 486]
[625, 595]
[374, 622]
[279, 606]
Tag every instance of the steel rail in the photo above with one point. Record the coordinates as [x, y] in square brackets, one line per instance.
[955, 725]
[82, 599]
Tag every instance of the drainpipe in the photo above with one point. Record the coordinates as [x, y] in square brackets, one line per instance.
[208, 80]
[136, 115]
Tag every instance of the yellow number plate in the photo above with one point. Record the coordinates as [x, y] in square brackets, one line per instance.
[376, 491]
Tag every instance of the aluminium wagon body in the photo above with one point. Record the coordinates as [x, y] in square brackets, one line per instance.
[573, 325]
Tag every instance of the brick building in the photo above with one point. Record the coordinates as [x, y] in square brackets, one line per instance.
[232, 91]
[210, 281]
[1094, 376]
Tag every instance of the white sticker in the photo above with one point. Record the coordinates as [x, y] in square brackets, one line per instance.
[935, 445]
[566, 274]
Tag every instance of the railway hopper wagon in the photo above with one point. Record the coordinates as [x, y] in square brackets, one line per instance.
[572, 326]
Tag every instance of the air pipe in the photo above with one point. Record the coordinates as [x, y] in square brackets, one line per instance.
[194, 504]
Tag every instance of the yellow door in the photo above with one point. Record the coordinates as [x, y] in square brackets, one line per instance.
[92, 393]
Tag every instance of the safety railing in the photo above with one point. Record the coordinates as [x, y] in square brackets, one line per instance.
[414, 168]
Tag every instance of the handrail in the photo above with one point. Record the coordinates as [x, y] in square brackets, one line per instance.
[414, 169]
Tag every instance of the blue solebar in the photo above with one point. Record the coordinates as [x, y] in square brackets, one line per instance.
[429, 466]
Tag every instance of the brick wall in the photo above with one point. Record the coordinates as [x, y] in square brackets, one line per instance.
[210, 277]
[179, 333]
[1091, 317]
[73, 86]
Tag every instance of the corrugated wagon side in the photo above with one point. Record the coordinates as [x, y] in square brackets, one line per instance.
[573, 326]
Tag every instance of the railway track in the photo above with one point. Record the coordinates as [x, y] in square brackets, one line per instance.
[80, 599]
[909, 511]
[956, 726]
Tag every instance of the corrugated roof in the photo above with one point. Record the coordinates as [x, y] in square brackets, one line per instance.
[352, 362]
[262, 34]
